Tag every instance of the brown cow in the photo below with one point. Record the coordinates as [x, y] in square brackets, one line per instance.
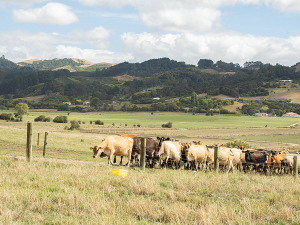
[114, 145]
[151, 150]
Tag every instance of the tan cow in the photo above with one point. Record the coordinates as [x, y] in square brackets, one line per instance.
[127, 135]
[114, 145]
[288, 163]
[197, 154]
[170, 151]
[225, 157]
[238, 158]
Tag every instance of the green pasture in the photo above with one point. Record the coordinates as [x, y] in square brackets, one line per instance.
[179, 120]
[291, 138]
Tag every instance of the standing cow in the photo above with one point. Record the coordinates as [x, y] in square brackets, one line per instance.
[114, 145]
[197, 154]
[170, 151]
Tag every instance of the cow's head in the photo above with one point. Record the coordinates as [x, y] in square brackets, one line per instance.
[97, 150]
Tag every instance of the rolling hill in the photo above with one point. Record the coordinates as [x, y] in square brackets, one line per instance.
[71, 64]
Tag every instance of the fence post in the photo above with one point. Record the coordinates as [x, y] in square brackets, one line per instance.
[45, 144]
[295, 167]
[216, 158]
[38, 140]
[143, 154]
[29, 142]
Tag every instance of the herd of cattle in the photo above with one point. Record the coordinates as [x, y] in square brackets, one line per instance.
[194, 155]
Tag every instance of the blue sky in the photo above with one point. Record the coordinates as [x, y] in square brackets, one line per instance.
[137, 30]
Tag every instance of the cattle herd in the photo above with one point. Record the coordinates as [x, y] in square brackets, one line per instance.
[163, 152]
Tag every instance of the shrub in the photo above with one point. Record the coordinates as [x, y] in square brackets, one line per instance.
[237, 144]
[47, 119]
[99, 122]
[60, 119]
[39, 118]
[6, 116]
[63, 108]
[167, 125]
[139, 125]
[74, 125]
[91, 122]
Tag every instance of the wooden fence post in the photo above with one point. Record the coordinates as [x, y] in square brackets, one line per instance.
[38, 140]
[29, 142]
[45, 144]
[216, 158]
[143, 154]
[295, 167]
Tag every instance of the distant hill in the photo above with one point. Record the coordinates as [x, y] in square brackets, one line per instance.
[71, 64]
[144, 69]
[7, 63]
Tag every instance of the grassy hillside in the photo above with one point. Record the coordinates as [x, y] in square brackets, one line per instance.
[67, 63]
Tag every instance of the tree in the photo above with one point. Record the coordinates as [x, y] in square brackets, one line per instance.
[205, 63]
[22, 109]
[194, 99]
[96, 102]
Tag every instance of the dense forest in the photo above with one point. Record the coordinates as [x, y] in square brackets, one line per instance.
[156, 78]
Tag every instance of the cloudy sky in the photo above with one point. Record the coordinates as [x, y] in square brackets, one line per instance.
[115, 31]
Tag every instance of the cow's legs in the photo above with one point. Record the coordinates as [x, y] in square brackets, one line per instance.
[110, 157]
[121, 162]
[129, 157]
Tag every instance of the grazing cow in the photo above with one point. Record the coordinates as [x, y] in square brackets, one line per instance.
[225, 157]
[127, 135]
[151, 150]
[114, 145]
[170, 151]
[257, 158]
[197, 154]
[276, 159]
[162, 139]
[122, 135]
[288, 162]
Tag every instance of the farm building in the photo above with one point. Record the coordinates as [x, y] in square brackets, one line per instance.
[261, 114]
[291, 114]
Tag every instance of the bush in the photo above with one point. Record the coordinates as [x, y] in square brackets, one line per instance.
[139, 125]
[63, 108]
[99, 122]
[237, 144]
[74, 125]
[60, 119]
[42, 119]
[6, 116]
[167, 125]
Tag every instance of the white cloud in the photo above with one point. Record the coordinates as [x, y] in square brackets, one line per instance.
[230, 47]
[187, 15]
[182, 20]
[52, 13]
[23, 2]
[91, 54]
[20, 45]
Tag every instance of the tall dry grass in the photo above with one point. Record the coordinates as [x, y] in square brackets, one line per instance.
[48, 192]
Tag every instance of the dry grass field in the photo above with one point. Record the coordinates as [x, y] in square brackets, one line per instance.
[68, 186]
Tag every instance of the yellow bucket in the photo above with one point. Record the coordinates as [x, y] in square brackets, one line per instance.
[122, 173]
